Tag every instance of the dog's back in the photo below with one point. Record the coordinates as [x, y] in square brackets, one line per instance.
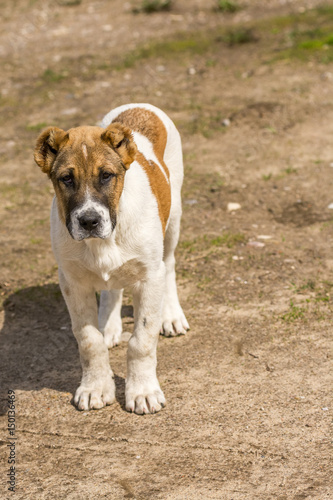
[159, 153]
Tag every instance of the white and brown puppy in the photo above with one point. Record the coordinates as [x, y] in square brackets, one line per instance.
[114, 224]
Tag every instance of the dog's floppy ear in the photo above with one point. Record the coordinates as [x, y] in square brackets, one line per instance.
[120, 139]
[47, 147]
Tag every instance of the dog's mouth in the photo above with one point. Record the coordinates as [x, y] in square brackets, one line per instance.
[87, 235]
[82, 234]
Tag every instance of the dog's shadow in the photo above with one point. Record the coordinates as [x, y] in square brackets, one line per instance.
[37, 347]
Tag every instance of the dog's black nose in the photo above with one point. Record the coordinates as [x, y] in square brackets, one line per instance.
[90, 220]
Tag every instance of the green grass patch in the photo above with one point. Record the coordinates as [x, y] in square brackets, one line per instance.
[239, 36]
[191, 45]
[50, 76]
[36, 127]
[228, 239]
[309, 34]
[294, 313]
[36, 241]
[151, 6]
[227, 6]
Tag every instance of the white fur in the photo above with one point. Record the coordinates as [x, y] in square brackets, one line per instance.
[133, 254]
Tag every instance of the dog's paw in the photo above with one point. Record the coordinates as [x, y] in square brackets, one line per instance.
[144, 398]
[174, 322]
[95, 394]
[112, 335]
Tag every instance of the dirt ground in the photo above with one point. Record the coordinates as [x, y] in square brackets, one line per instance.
[248, 404]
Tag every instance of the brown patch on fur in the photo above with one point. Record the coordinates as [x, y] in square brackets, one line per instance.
[149, 124]
[159, 187]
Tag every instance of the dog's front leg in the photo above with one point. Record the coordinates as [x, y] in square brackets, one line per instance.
[97, 388]
[143, 392]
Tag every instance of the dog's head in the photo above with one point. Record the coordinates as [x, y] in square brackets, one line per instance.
[87, 166]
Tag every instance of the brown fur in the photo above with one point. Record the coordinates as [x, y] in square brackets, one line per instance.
[148, 124]
[157, 183]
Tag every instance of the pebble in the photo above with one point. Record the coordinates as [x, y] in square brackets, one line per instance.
[231, 207]
[69, 111]
[192, 71]
[264, 237]
[256, 244]
[330, 206]
[236, 257]
[226, 122]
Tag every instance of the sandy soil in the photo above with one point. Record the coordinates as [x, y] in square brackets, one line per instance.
[248, 404]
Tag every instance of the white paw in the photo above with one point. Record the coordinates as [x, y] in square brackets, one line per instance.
[112, 335]
[174, 321]
[144, 398]
[96, 393]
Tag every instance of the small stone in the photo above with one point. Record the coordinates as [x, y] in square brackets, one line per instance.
[264, 237]
[330, 206]
[256, 244]
[192, 71]
[69, 111]
[226, 122]
[327, 76]
[231, 207]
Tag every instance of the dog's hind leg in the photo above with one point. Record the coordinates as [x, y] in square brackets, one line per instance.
[109, 316]
[174, 321]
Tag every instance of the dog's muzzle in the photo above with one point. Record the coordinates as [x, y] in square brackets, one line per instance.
[92, 222]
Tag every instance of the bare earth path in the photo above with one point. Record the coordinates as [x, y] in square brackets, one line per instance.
[248, 403]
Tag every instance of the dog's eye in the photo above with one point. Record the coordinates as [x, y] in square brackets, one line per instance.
[106, 176]
[67, 180]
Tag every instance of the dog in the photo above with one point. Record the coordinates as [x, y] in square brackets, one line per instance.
[115, 222]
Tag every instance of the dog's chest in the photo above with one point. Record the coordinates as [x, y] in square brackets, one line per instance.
[113, 265]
